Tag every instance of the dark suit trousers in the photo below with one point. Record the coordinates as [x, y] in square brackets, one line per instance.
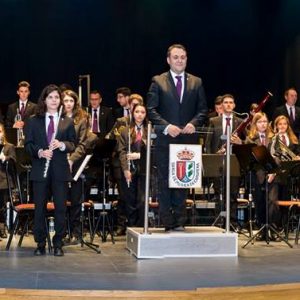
[40, 193]
[134, 197]
[171, 201]
[75, 209]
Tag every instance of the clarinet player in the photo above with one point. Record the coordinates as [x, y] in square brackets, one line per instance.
[48, 137]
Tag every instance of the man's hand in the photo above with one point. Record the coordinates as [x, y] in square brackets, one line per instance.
[173, 130]
[18, 124]
[188, 129]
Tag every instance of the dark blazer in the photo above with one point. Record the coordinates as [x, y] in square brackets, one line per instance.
[106, 120]
[164, 105]
[36, 139]
[10, 153]
[30, 109]
[123, 150]
[213, 141]
[282, 110]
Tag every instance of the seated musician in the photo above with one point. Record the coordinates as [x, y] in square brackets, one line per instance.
[7, 152]
[218, 127]
[284, 147]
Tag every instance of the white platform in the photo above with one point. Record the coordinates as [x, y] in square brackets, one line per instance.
[203, 241]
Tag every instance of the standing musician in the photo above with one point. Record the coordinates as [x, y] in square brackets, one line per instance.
[79, 116]
[49, 138]
[260, 133]
[7, 152]
[114, 134]
[133, 163]
[25, 107]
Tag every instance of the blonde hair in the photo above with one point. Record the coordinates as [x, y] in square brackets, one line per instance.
[253, 128]
[4, 134]
[289, 131]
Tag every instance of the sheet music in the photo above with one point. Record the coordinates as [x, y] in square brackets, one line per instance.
[82, 167]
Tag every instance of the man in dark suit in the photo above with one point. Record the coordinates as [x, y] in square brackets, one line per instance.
[290, 110]
[176, 101]
[101, 116]
[25, 107]
[44, 143]
[123, 94]
[217, 126]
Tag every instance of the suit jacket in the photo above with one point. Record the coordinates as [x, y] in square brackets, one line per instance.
[10, 153]
[164, 105]
[139, 164]
[30, 109]
[282, 110]
[213, 141]
[36, 139]
[105, 120]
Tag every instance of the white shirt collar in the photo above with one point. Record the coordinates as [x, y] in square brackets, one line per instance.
[175, 74]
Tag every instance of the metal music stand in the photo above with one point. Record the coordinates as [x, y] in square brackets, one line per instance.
[80, 174]
[214, 166]
[247, 162]
[104, 153]
[264, 160]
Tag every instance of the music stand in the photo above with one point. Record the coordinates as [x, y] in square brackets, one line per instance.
[11, 135]
[264, 160]
[247, 162]
[214, 166]
[104, 149]
[79, 174]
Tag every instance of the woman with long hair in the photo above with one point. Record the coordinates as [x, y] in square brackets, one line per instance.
[79, 116]
[49, 138]
[7, 152]
[132, 153]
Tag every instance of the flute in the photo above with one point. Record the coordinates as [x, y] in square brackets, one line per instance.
[52, 139]
[129, 151]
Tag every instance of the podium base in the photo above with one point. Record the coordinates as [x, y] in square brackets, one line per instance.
[204, 241]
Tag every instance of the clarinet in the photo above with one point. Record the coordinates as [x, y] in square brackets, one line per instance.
[52, 139]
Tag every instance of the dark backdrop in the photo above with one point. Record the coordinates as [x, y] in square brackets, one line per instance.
[242, 47]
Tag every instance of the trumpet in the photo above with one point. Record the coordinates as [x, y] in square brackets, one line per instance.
[282, 151]
[20, 133]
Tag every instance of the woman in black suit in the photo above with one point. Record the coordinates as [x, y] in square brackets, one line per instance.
[133, 165]
[44, 143]
[79, 116]
[7, 152]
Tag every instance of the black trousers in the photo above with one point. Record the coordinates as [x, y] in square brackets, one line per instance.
[58, 189]
[134, 198]
[172, 206]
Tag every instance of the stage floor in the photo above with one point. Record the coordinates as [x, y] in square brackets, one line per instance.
[116, 269]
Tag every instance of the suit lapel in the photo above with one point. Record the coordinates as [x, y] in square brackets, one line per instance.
[187, 86]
